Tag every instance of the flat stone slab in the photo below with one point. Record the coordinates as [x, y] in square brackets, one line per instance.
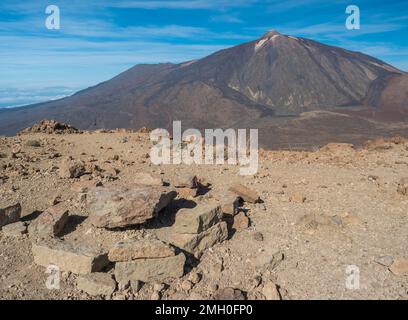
[79, 259]
[140, 249]
[115, 207]
[151, 270]
[14, 229]
[198, 219]
[97, 284]
[197, 243]
[247, 194]
[10, 214]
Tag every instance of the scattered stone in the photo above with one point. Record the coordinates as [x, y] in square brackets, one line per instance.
[399, 267]
[147, 179]
[197, 243]
[10, 214]
[275, 260]
[198, 219]
[78, 259]
[15, 229]
[194, 277]
[245, 193]
[241, 222]
[159, 287]
[71, 169]
[140, 249]
[151, 270]
[114, 207]
[229, 203]
[297, 197]
[186, 180]
[97, 284]
[403, 186]
[187, 285]
[49, 223]
[385, 261]
[229, 294]
[270, 291]
[258, 236]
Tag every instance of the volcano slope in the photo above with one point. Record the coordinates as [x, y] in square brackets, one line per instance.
[253, 85]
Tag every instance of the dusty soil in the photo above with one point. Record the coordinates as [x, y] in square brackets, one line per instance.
[352, 215]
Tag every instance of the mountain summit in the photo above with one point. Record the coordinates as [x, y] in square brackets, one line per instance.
[275, 75]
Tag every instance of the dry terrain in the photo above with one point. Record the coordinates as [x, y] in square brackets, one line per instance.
[320, 212]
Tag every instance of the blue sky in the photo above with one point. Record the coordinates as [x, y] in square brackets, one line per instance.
[99, 38]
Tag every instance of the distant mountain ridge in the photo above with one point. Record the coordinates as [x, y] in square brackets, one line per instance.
[276, 75]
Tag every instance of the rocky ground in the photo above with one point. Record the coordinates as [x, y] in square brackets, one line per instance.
[119, 227]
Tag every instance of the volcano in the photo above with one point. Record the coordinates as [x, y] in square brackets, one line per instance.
[275, 76]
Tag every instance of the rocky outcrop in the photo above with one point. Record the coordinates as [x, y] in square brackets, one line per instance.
[114, 207]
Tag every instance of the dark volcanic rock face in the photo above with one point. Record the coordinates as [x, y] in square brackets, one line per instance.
[274, 75]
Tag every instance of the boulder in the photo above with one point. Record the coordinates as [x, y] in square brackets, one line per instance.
[14, 229]
[198, 219]
[185, 180]
[49, 223]
[151, 270]
[197, 243]
[10, 214]
[114, 207]
[97, 284]
[241, 222]
[140, 249]
[71, 168]
[248, 195]
[76, 258]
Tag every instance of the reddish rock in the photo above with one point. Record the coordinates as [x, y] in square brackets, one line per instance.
[187, 193]
[248, 195]
[51, 222]
[114, 207]
[241, 222]
[71, 168]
